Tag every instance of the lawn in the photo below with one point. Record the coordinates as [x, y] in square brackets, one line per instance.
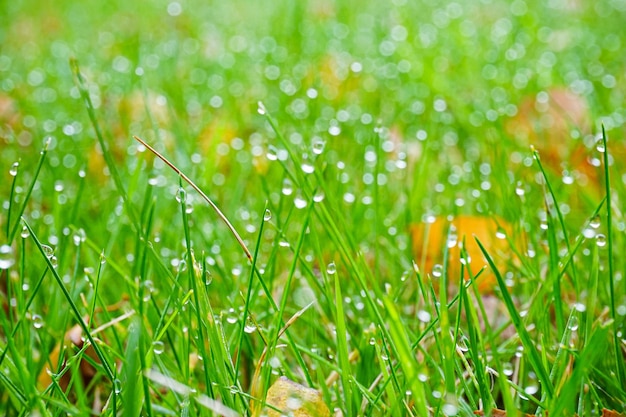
[402, 208]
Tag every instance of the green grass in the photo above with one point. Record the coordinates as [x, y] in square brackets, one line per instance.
[305, 140]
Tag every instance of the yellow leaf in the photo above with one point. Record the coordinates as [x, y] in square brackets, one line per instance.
[294, 399]
[430, 240]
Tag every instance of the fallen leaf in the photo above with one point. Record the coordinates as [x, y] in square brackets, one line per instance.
[295, 400]
[502, 413]
[73, 337]
[546, 121]
[430, 240]
[548, 118]
[612, 413]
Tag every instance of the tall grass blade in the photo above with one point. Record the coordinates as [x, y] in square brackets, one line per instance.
[202, 194]
[534, 355]
[106, 152]
[617, 348]
[42, 158]
[73, 307]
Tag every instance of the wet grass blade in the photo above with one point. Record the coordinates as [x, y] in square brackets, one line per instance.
[594, 350]
[81, 83]
[133, 383]
[617, 349]
[42, 158]
[342, 349]
[533, 353]
[73, 307]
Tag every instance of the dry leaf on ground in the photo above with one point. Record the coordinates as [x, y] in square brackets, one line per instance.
[295, 399]
[430, 239]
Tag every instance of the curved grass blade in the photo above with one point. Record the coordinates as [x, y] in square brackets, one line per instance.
[202, 194]
[516, 319]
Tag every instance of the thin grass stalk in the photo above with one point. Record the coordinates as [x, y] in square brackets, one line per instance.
[619, 360]
[73, 307]
[29, 191]
[529, 346]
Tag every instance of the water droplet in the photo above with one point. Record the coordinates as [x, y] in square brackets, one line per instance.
[250, 326]
[318, 146]
[384, 357]
[287, 187]
[437, 271]
[274, 362]
[307, 167]
[452, 237]
[589, 233]
[568, 179]
[573, 324]
[600, 145]
[13, 170]
[47, 250]
[188, 208]
[37, 321]
[158, 347]
[79, 237]
[331, 269]
[6, 257]
[267, 216]
[462, 345]
[299, 201]
[54, 261]
[231, 316]
[531, 389]
[372, 341]
[601, 240]
[147, 288]
[450, 409]
[507, 369]
[272, 153]
[500, 233]
[181, 195]
[319, 196]
[261, 108]
[423, 316]
[25, 233]
[117, 386]
[595, 222]
[294, 402]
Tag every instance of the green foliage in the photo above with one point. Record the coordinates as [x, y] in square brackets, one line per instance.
[322, 133]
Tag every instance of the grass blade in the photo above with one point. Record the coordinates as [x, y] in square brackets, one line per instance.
[529, 346]
[202, 194]
[617, 350]
[117, 179]
[42, 158]
[73, 307]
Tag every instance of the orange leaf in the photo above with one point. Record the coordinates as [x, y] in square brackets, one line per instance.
[430, 240]
[501, 413]
[611, 413]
